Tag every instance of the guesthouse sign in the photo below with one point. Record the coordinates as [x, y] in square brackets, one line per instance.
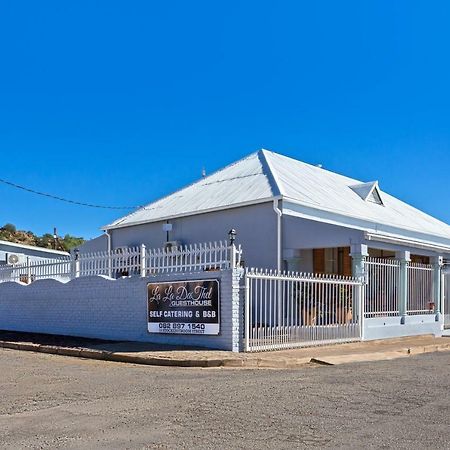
[184, 307]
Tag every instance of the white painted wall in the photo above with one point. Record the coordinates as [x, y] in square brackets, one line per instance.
[255, 226]
[100, 307]
[98, 244]
[303, 233]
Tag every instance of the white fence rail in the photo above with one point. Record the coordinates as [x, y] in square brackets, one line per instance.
[30, 271]
[121, 262]
[381, 290]
[285, 310]
[131, 261]
[208, 256]
[420, 292]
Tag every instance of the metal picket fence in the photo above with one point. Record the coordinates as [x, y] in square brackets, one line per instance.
[287, 310]
[381, 292]
[420, 292]
[206, 256]
[128, 261]
[125, 261]
[30, 271]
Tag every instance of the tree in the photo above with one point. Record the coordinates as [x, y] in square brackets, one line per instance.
[9, 227]
[46, 241]
[71, 241]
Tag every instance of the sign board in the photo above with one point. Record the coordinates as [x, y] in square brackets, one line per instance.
[184, 307]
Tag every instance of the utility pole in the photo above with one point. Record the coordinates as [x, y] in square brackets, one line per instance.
[56, 241]
[55, 238]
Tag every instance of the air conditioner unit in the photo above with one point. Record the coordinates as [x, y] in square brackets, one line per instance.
[15, 258]
[171, 245]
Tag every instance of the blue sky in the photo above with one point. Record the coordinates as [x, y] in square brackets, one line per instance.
[119, 103]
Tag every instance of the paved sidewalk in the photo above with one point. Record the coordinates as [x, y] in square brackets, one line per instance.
[166, 355]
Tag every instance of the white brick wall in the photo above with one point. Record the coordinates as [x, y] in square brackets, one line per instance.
[99, 307]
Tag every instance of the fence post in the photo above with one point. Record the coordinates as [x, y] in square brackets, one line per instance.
[359, 253]
[247, 312]
[405, 259]
[143, 260]
[360, 291]
[437, 262]
[233, 255]
[77, 265]
[28, 271]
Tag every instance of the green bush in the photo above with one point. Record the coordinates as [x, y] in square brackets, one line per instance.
[9, 227]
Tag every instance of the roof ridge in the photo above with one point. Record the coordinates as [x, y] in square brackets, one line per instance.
[313, 166]
[274, 182]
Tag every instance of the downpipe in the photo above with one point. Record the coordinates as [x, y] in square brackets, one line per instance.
[279, 214]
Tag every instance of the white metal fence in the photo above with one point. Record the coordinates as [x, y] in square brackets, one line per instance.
[125, 261]
[207, 256]
[30, 271]
[420, 292]
[381, 289]
[131, 261]
[286, 310]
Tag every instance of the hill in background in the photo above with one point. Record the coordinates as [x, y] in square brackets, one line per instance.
[9, 233]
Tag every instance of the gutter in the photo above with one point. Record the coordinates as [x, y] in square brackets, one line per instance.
[404, 241]
[192, 213]
[338, 214]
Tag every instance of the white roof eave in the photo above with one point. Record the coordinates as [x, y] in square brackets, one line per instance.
[35, 248]
[191, 213]
[294, 208]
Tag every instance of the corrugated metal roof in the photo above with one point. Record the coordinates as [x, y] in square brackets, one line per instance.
[244, 181]
[265, 175]
[313, 186]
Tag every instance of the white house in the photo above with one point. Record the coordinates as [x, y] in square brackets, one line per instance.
[288, 215]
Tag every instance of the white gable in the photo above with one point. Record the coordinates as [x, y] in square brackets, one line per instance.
[368, 192]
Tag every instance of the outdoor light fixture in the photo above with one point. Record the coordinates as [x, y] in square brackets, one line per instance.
[77, 254]
[232, 236]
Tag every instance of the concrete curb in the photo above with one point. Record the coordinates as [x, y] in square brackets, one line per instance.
[120, 357]
[333, 360]
[244, 362]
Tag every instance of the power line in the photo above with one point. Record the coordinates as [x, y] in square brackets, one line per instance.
[62, 199]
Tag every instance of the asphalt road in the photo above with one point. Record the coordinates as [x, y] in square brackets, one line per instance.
[50, 401]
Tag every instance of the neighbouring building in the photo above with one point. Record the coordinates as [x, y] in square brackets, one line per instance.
[12, 253]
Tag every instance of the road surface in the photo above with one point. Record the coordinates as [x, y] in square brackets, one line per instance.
[50, 401]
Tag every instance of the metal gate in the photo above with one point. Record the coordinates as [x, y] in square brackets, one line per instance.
[285, 310]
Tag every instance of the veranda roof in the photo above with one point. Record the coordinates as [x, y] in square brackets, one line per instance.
[307, 191]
